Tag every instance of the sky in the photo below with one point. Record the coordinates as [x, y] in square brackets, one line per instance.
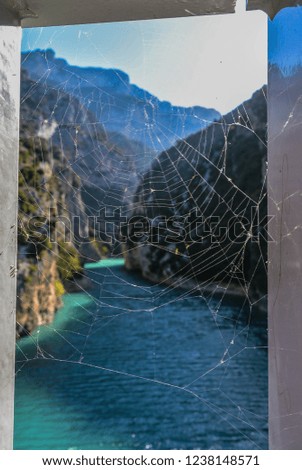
[213, 61]
[285, 34]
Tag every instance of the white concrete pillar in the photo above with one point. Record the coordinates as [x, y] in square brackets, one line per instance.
[285, 253]
[10, 40]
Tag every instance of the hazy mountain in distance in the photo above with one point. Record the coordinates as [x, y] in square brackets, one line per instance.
[116, 103]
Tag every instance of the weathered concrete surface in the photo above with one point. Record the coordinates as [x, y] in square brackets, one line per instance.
[8, 17]
[285, 253]
[10, 39]
[57, 12]
[34, 13]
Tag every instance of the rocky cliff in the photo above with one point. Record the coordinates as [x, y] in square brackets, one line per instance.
[47, 256]
[199, 214]
[39, 292]
[50, 255]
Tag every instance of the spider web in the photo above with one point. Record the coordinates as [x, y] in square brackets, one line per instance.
[166, 349]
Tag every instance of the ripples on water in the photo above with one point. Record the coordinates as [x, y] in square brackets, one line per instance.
[138, 366]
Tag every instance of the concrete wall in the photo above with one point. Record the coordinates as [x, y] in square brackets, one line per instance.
[58, 12]
[10, 38]
[285, 253]
[32, 13]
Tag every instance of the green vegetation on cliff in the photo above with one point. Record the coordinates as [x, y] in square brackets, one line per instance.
[43, 264]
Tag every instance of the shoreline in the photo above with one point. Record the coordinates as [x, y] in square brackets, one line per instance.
[190, 285]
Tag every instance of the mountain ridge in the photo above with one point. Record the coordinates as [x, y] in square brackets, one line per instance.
[118, 104]
[213, 180]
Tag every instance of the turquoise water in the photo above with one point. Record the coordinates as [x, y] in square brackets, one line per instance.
[131, 365]
[105, 263]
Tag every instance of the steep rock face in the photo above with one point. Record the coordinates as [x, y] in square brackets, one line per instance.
[120, 106]
[211, 187]
[38, 298]
[49, 256]
[106, 164]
